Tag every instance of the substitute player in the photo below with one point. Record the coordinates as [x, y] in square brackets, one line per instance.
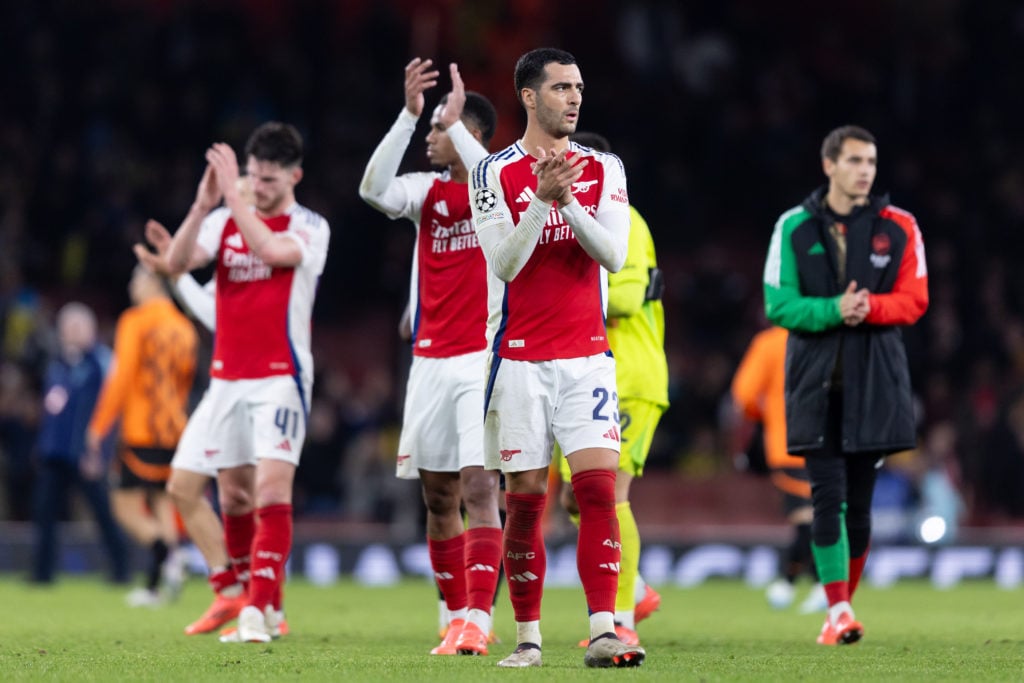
[442, 430]
[845, 271]
[549, 226]
[268, 262]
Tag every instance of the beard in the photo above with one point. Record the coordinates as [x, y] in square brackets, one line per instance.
[267, 205]
[553, 123]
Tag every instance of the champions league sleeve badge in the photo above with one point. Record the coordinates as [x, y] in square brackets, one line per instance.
[485, 200]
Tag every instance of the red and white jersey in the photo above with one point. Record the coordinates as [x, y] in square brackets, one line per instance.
[449, 281]
[448, 284]
[263, 313]
[555, 306]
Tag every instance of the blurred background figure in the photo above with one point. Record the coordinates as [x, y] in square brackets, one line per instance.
[845, 272]
[147, 392]
[942, 508]
[72, 384]
[758, 392]
[19, 417]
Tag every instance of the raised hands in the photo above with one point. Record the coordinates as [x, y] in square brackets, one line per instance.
[160, 239]
[556, 174]
[221, 158]
[452, 109]
[208, 194]
[418, 77]
[854, 304]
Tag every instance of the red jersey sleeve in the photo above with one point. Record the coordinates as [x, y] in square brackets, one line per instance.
[908, 300]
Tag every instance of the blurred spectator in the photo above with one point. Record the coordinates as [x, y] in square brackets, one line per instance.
[895, 501]
[316, 486]
[23, 334]
[1001, 481]
[939, 482]
[72, 385]
[19, 413]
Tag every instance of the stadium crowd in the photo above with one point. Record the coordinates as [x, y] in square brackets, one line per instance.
[717, 110]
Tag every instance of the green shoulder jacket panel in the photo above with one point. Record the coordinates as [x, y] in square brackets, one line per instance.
[784, 304]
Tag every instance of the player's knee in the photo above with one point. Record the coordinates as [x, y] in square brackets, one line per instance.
[180, 492]
[594, 488]
[827, 519]
[827, 498]
[480, 493]
[440, 501]
[235, 500]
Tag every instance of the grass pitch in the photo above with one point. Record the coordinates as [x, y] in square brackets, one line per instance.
[81, 630]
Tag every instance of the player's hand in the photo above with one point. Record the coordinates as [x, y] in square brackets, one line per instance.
[154, 262]
[158, 236]
[208, 194]
[90, 465]
[222, 159]
[418, 77]
[452, 109]
[862, 309]
[854, 304]
[556, 174]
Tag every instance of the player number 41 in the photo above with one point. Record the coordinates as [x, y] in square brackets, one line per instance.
[287, 421]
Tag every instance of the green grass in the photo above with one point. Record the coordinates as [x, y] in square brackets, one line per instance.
[80, 630]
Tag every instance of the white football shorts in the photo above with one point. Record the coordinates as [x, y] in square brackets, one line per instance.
[532, 404]
[191, 455]
[443, 418]
[240, 421]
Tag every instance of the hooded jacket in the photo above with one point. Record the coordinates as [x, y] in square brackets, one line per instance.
[802, 289]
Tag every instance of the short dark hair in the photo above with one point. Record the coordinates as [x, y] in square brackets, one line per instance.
[480, 113]
[276, 142]
[832, 145]
[530, 67]
[592, 140]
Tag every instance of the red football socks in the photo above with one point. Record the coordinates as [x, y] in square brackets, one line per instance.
[524, 554]
[239, 531]
[856, 569]
[448, 558]
[483, 555]
[270, 549]
[598, 550]
[226, 578]
[837, 591]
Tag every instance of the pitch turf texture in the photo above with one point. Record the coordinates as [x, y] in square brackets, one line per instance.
[81, 630]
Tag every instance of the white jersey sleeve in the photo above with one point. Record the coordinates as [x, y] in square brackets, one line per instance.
[198, 300]
[211, 229]
[506, 246]
[605, 237]
[382, 188]
[312, 233]
[469, 148]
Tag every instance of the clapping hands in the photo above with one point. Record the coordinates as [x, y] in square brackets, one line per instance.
[556, 173]
[854, 304]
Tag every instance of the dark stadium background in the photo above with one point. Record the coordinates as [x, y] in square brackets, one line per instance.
[717, 109]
